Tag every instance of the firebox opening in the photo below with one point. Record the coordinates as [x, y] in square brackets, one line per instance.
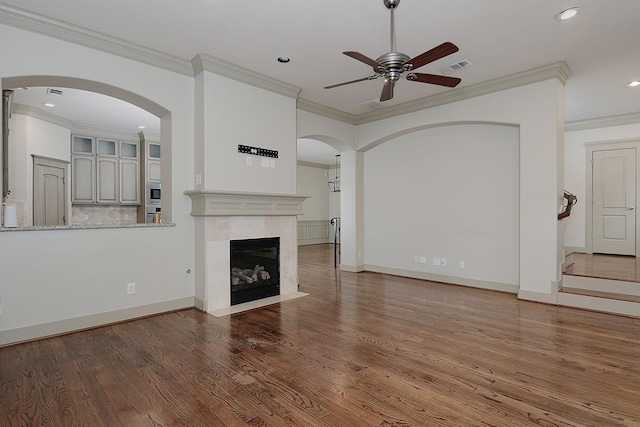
[255, 269]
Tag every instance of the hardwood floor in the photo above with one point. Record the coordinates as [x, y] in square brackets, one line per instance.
[361, 350]
[613, 267]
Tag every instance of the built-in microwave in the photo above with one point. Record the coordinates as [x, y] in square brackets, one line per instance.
[153, 194]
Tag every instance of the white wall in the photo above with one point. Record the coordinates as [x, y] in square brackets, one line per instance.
[576, 164]
[55, 280]
[537, 110]
[31, 136]
[448, 192]
[240, 114]
[312, 182]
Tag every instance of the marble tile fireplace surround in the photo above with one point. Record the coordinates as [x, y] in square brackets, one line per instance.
[225, 216]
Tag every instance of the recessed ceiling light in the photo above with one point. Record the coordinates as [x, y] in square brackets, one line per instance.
[634, 83]
[48, 104]
[567, 14]
[283, 59]
[141, 127]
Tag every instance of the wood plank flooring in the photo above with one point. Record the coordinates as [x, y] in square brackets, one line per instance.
[361, 350]
[613, 267]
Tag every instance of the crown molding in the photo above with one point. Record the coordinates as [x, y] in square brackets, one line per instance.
[29, 21]
[556, 70]
[328, 112]
[40, 115]
[76, 128]
[601, 122]
[313, 165]
[40, 24]
[202, 62]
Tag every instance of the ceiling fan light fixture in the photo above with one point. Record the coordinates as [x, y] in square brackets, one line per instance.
[634, 83]
[567, 14]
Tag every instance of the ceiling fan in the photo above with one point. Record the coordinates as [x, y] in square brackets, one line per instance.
[393, 64]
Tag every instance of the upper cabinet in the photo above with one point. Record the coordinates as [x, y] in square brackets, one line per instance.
[105, 171]
[153, 162]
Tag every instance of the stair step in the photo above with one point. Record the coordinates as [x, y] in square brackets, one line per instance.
[601, 285]
[601, 294]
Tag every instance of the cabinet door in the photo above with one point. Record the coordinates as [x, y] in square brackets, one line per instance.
[82, 145]
[153, 171]
[129, 182]
[107, 169]
[129, 150]
[83, 175]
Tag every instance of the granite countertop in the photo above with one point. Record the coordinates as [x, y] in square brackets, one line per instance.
[87, 227]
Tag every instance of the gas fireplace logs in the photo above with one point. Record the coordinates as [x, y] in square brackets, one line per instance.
[248, 276]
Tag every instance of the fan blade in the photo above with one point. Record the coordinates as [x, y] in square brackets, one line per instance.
[434, 79]
[445, 49]
[375, 76]
[387, 91]
[360, 57]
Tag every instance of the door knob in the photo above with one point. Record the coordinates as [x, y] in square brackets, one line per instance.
[630, 208]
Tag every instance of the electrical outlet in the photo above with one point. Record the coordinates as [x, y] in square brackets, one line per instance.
[443, 262]
[131, 288]
[85, 217]
[461, 264]
[436, 261]
[416, 259]
[423, 260]
[249, 161]
[127, 217]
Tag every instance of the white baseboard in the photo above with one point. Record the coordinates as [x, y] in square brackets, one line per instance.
[199, 304]
[575, 249]
[551, 298]
[462, 281]
[28, 333]
[352, 268]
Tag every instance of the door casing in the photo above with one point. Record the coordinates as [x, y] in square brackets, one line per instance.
[601, 146]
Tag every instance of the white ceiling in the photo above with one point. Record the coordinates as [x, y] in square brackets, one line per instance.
[500, 37]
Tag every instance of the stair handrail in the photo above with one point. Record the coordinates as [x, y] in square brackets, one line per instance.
[566, 209]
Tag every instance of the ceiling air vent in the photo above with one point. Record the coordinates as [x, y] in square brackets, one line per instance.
[455, 67]
[54, 92]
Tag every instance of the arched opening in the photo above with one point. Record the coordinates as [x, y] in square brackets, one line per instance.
[316, 169]
[126, 148]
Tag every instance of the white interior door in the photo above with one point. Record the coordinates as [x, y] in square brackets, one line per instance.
[614, 201]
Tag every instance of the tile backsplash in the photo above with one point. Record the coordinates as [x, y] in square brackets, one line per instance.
[103, 215]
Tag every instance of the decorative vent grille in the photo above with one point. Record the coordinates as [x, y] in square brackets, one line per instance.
[54, 92]
[455, 67]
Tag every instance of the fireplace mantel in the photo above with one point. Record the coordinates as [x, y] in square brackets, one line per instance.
[225, 203]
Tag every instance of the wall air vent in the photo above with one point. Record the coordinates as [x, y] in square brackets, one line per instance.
[455, 67]
[54, 92]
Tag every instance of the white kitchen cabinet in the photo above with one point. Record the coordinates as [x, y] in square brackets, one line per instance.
[107, 180]
[105, 171]
[107, 147]
[154, 163]
[83, 179]
[129, 182]
[82, 145]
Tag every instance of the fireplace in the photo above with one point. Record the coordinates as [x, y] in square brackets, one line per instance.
[255, 269]
[222, 217]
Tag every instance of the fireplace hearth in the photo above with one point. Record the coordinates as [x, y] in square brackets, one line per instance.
[255, 269]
